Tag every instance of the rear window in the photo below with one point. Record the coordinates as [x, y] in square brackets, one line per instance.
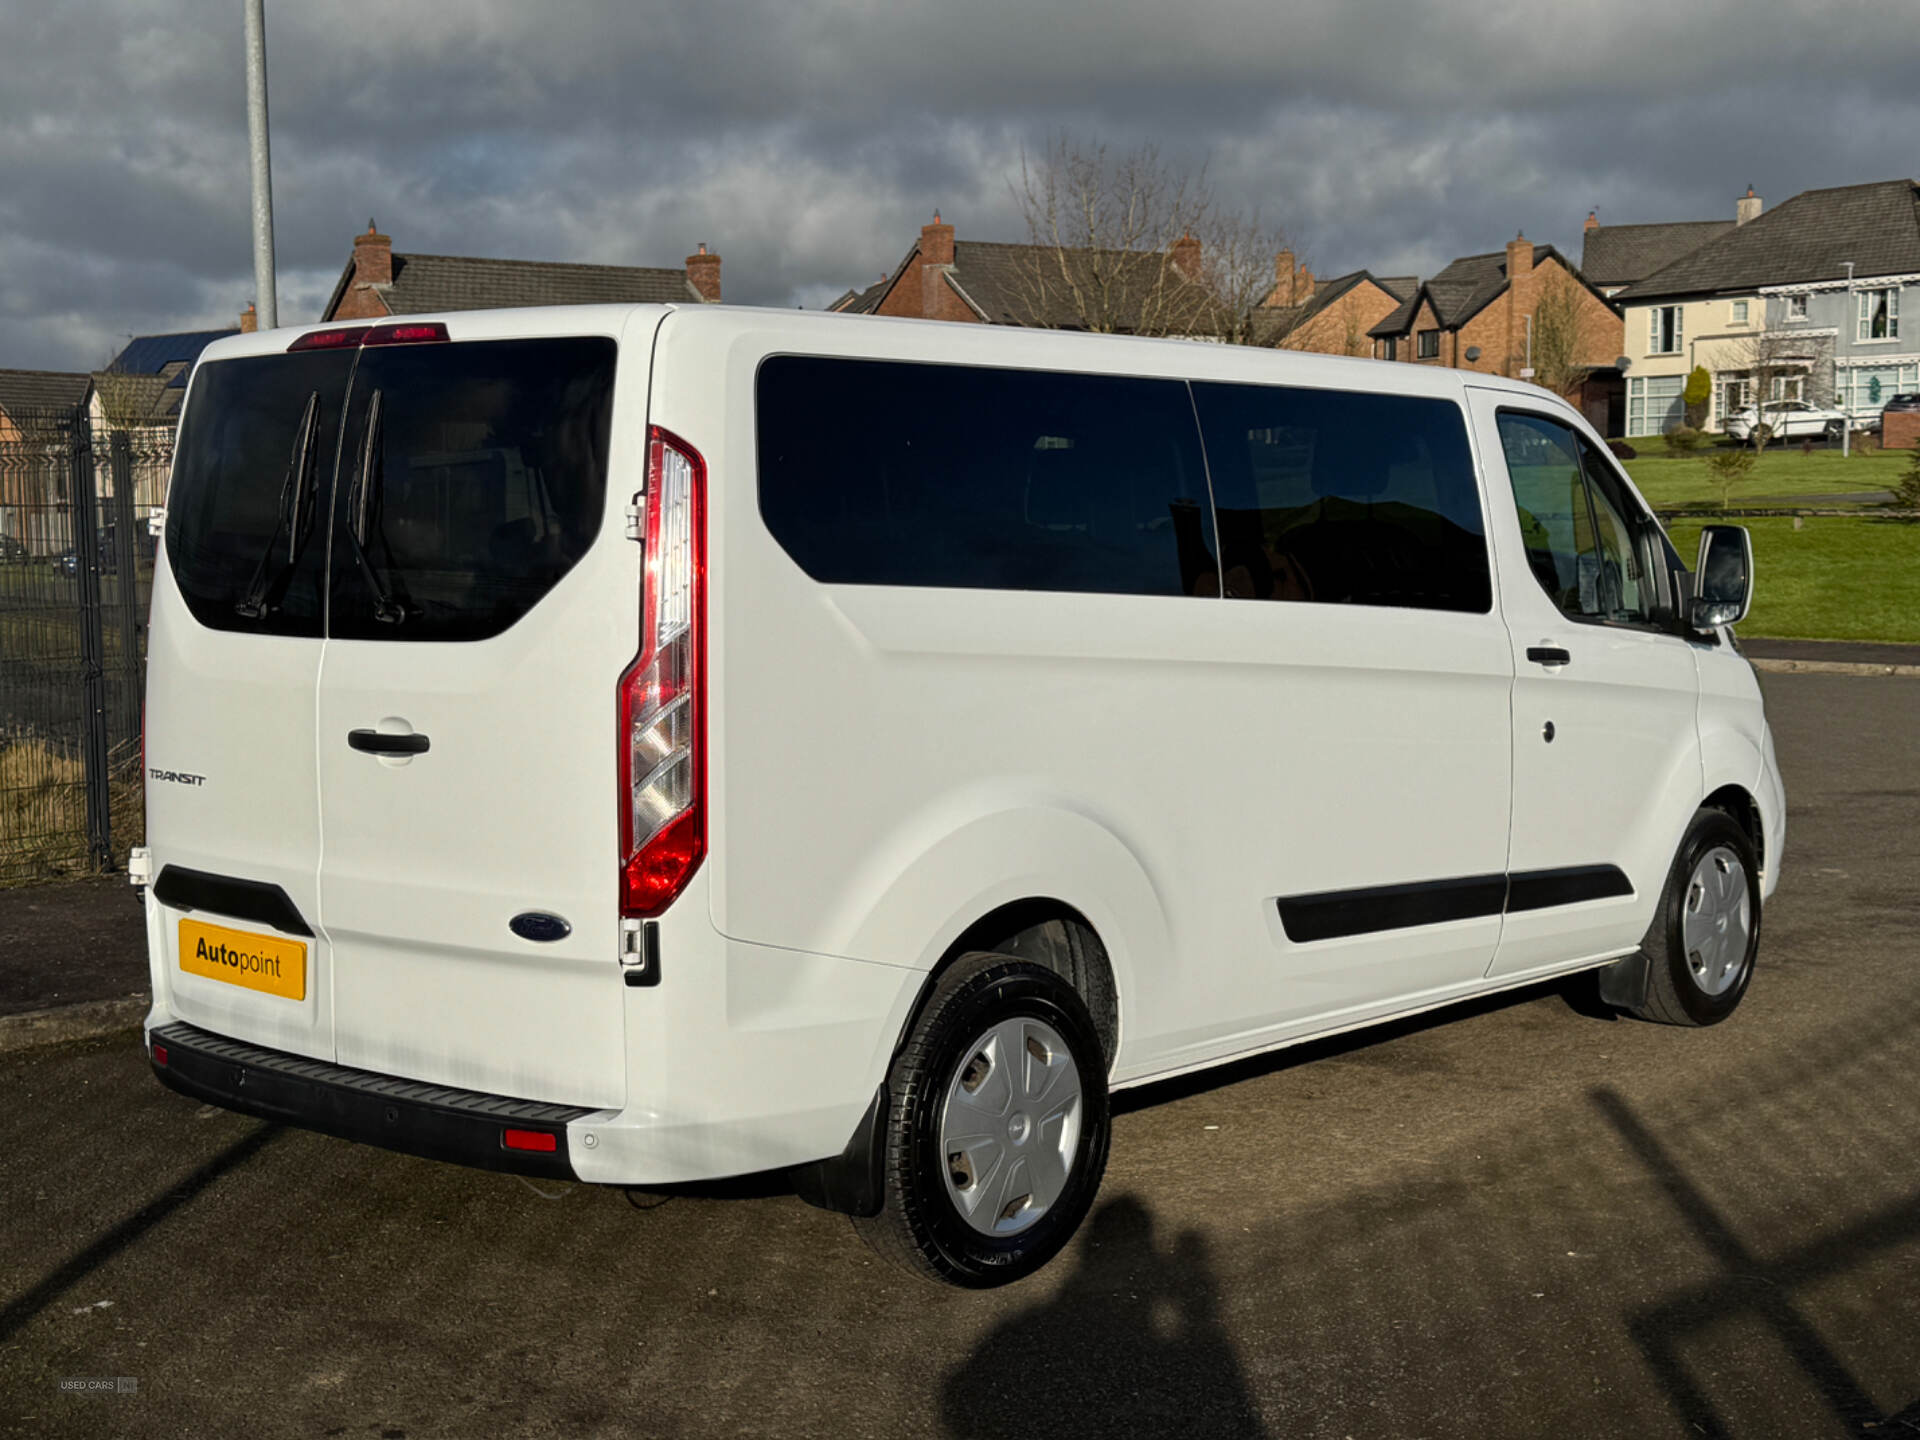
[251, 489]
[425, 492]
[881, 473]
[485, 483]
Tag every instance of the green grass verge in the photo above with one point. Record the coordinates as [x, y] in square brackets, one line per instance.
[1836, 578]
[1668, 481]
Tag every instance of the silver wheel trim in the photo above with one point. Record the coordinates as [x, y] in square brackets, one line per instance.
[1010, 1127]
[1716, 921]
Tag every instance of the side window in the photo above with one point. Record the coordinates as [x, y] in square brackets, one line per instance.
[1626, 539]
[883, 473]
[1580, 545]
[1344, 498]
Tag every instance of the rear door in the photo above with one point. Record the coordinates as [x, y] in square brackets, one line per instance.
[233, 665]
[484, 603]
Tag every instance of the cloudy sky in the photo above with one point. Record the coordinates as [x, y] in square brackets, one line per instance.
[807, 140]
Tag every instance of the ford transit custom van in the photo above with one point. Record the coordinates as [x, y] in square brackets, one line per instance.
[643, 745]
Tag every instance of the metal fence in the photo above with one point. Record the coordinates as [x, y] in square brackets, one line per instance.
[76, 568]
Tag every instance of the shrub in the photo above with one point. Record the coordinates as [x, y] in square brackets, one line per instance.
[1728, 468]
[1696, 396]
[1906, 490]
[1622, 450]
[1683, 438]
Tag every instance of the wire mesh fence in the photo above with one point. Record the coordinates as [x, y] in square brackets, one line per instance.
[76, 568]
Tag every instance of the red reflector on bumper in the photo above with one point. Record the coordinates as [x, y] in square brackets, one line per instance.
[159, 1054]
[540, 1140]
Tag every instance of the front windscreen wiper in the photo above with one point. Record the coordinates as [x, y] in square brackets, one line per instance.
[269, 583]
[390, 603]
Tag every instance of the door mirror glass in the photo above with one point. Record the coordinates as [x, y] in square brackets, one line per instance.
[1723, 578]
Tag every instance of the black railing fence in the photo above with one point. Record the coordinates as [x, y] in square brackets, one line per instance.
[76, 567]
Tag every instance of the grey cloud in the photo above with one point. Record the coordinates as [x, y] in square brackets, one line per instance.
[808, 140]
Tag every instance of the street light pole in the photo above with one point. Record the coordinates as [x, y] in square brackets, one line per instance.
[264, 303]
[1846, 392]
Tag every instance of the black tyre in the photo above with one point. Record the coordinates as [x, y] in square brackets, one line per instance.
[1700, 948]
[997, 1127]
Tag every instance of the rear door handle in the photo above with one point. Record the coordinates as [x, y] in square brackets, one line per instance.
[1549, 655]
[372, 742]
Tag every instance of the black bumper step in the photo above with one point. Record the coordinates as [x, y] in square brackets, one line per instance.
[438, 1122]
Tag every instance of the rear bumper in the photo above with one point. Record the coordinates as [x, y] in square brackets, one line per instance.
[438, 1122]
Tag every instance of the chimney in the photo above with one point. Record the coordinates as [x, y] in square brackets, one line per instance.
[1303, 285]
[703, 273]
[1747, 207]
[936, 259]
[1519, 257]
[1186, 257]
[1283, 278]
[372, 258]
[249, 319]
[1593, 221]
[936, 242]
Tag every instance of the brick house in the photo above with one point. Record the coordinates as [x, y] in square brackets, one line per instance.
[1476, 314]
[1329, 317]
[985, 282]
[378, 282]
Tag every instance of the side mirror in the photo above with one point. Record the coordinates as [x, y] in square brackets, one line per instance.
[1723, 578]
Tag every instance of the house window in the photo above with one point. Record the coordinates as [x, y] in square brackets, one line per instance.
[1796, 307]
[1429, 344]
[1733, 397]
[1788, 387]
[1664, 332]
[1739, 312]
[1654, 403]
[1390, 348]
[1879, 313]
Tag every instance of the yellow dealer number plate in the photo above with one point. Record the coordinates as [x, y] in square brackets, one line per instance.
[239, 957]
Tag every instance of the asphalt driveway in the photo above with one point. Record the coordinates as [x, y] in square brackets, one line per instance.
[1519, 1219]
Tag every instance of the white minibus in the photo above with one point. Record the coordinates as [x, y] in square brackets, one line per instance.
[642, 745]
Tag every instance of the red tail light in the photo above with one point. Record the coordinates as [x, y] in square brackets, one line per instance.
[345, 337]
[160, 1055]
[663, 780]
[541, 1141]
[353, 337]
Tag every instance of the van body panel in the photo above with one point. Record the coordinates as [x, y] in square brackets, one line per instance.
[1619, 778]
[1736, 747]
[229, 722]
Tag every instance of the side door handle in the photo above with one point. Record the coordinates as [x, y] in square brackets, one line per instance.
[372, 742]
[1549, 655]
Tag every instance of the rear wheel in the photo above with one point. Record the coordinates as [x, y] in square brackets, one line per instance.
[996, 1137]
[1700, 949]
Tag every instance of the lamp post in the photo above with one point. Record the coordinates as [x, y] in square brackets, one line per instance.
[263, 285]
[1846, 394]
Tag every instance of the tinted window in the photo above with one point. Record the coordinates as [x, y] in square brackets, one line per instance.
[485, 483]
[253, 473]
[876, 473]
[1581, 545]
[1345, 499]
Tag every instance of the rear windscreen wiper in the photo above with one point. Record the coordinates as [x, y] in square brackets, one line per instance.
[390, 603]
[269, 583]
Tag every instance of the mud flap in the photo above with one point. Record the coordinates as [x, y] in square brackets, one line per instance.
[852, 1182]
[1623, 984]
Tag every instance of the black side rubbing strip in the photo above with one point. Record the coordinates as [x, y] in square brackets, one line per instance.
[1335, 913]
[1542, 889]
[184, 889]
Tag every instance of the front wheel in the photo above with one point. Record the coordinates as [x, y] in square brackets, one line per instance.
[1700, 948]
[996, 1134]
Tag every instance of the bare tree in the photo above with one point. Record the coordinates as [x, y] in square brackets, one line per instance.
[1556, 333]
[1132, 244]
[1776, 366]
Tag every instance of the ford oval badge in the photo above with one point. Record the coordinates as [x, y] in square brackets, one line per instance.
[534, 925]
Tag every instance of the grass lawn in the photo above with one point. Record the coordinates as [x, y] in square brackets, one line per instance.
[1835, 579]
[1668, 481]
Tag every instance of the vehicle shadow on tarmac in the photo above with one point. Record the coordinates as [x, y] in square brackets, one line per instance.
[1133, 1344]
